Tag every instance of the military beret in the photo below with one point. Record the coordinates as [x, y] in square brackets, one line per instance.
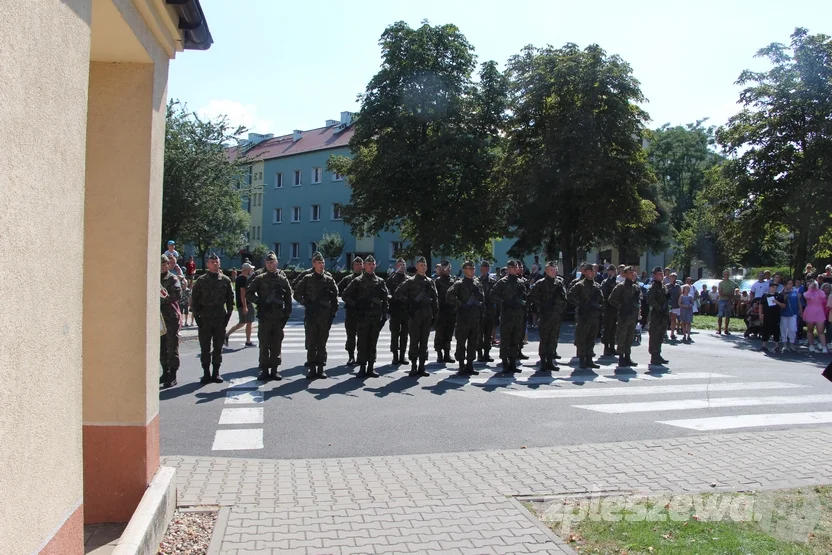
[485, 264]
[317, 257]
[358, 259]
[271, 256]
[658, 269]
[551, 264]
[421, 259]
[213, 256]
[445, 263]
[468, 264]
[369, 259]
[400, 261]
[164, 259]
[511, 264]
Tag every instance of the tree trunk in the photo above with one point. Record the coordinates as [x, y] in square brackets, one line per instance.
[569, 255]
[202, 252]
[802, 251]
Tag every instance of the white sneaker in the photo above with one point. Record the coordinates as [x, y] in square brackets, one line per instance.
[811, 348]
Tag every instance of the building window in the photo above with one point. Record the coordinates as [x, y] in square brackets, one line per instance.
[298, 178]
[278, 181]
[257, 234]
[295, 214]
[315, 213]
[336, 211]
[277, 250]
[337, 176]
[277, 216]
[313, 248]
[395, 247]
[317, 173]
[295, 251]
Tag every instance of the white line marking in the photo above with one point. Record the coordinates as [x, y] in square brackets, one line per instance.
[751, 421]
[620, 378]
[243, 397]
[235, 440]
[244, 382]
[690, 404]
[613, 391]
[244, 415]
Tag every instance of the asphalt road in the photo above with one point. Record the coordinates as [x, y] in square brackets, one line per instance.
[713, 385]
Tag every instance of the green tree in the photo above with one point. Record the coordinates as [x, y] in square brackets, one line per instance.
[203, 185]
[425, 145]
[331, 246]
[574, 160]
[780, 145]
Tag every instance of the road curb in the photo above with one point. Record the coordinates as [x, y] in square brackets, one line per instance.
[219, 531]
[558, 541]
[150, 520]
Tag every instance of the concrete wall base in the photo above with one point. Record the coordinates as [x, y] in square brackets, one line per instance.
[147, 527]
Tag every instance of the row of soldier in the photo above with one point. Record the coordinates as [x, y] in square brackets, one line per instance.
[463, 308]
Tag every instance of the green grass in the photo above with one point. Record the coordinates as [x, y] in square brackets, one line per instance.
[694, 535]
[701, 322]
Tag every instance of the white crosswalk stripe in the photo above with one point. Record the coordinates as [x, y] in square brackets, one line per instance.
[712, 403]
[541, 379]
[615, 391]
[751, 421]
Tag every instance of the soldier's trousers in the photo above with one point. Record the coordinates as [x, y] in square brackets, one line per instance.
[169, 347]
[586, 332]
[398, 331]
[658, 328]
[444, 330]
[418, 328]
[270, 340]
[549, 326]
[511, 333]
[486, 329]
[351, 325]
[625, 335]
[317, 334]
[211, 333]
[368, 330]
[467, 338]
[610, 322]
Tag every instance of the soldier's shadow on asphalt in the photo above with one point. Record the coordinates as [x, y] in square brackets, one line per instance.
[208, 396]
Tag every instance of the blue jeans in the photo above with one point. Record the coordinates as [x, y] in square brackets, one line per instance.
[724, 309]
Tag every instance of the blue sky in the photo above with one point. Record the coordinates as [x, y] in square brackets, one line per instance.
[276, 66]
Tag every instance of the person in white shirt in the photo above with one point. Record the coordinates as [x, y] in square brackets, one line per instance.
[759, 287]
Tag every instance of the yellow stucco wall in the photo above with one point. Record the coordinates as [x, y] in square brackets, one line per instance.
[44, 60]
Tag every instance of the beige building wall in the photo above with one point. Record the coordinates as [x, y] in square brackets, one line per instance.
[41, 230]
[256, 204]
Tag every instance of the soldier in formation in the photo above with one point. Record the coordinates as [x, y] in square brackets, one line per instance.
[468, 299]
[212, 302]
[549, 295]
[420, 296]
[586, 295]
[398, 315]
[610, 312]
[350, 317]
[318, 294]
[271, 293]
[658, 302]
[625, 299]
[368, 296]
[445, 320]
[169, 296]
[487, 282]
[510, 294]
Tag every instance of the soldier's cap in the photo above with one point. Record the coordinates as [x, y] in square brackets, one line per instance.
[658, 270]
[400, 261]
[358, 259]
[588, 266]
[468, 264]
[369, 259]
[622, 267]
[511, 264]
[267, 253]
[247, 266]
[421, 259]
[164, 259]
[628, 268]
[271, 256]
[213, 256]
[611, 268]
[317, 257]
[171, 242]
[485, 264]
[551, 264]
[445, 263]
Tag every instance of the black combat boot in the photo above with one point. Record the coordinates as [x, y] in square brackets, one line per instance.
[657, 359]
[264, 374]
[395, 358]
[556, 356]
[591, 363]
[470, 368]
[422, 371]
[370, 372]
[583, 364]
[274, 375]
[403, 359]
[506, 366]
[413, 367]
[448, 358]
[173, 381]
[206, 375]
[550, 364]
[622, 361]
[521, 356]
[321, 373]
[629, 361]
[215, 377]
[487, 357]
[363, 370]
[164, 377]
[351, 361]
[543, 365]
[480, 357]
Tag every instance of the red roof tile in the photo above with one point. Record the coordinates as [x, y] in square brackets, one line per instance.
[321, 138]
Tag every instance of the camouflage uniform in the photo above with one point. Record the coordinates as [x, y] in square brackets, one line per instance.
[467, 297]
[549, 295]
[610, 316]
[272, 294]
[169, 345]
[487, 321]
[212, 302]
[350, 317]
[319, 294]
[510, 294]
[445, 320]
[398, 319]
[625, 299]
[419, 295]
[367, 294]
[657, 300]
[587, 297]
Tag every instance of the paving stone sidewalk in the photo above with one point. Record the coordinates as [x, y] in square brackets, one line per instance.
[457, 503]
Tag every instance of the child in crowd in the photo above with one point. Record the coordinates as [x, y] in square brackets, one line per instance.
[771, 304]
[185, 304]
[686, 311]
